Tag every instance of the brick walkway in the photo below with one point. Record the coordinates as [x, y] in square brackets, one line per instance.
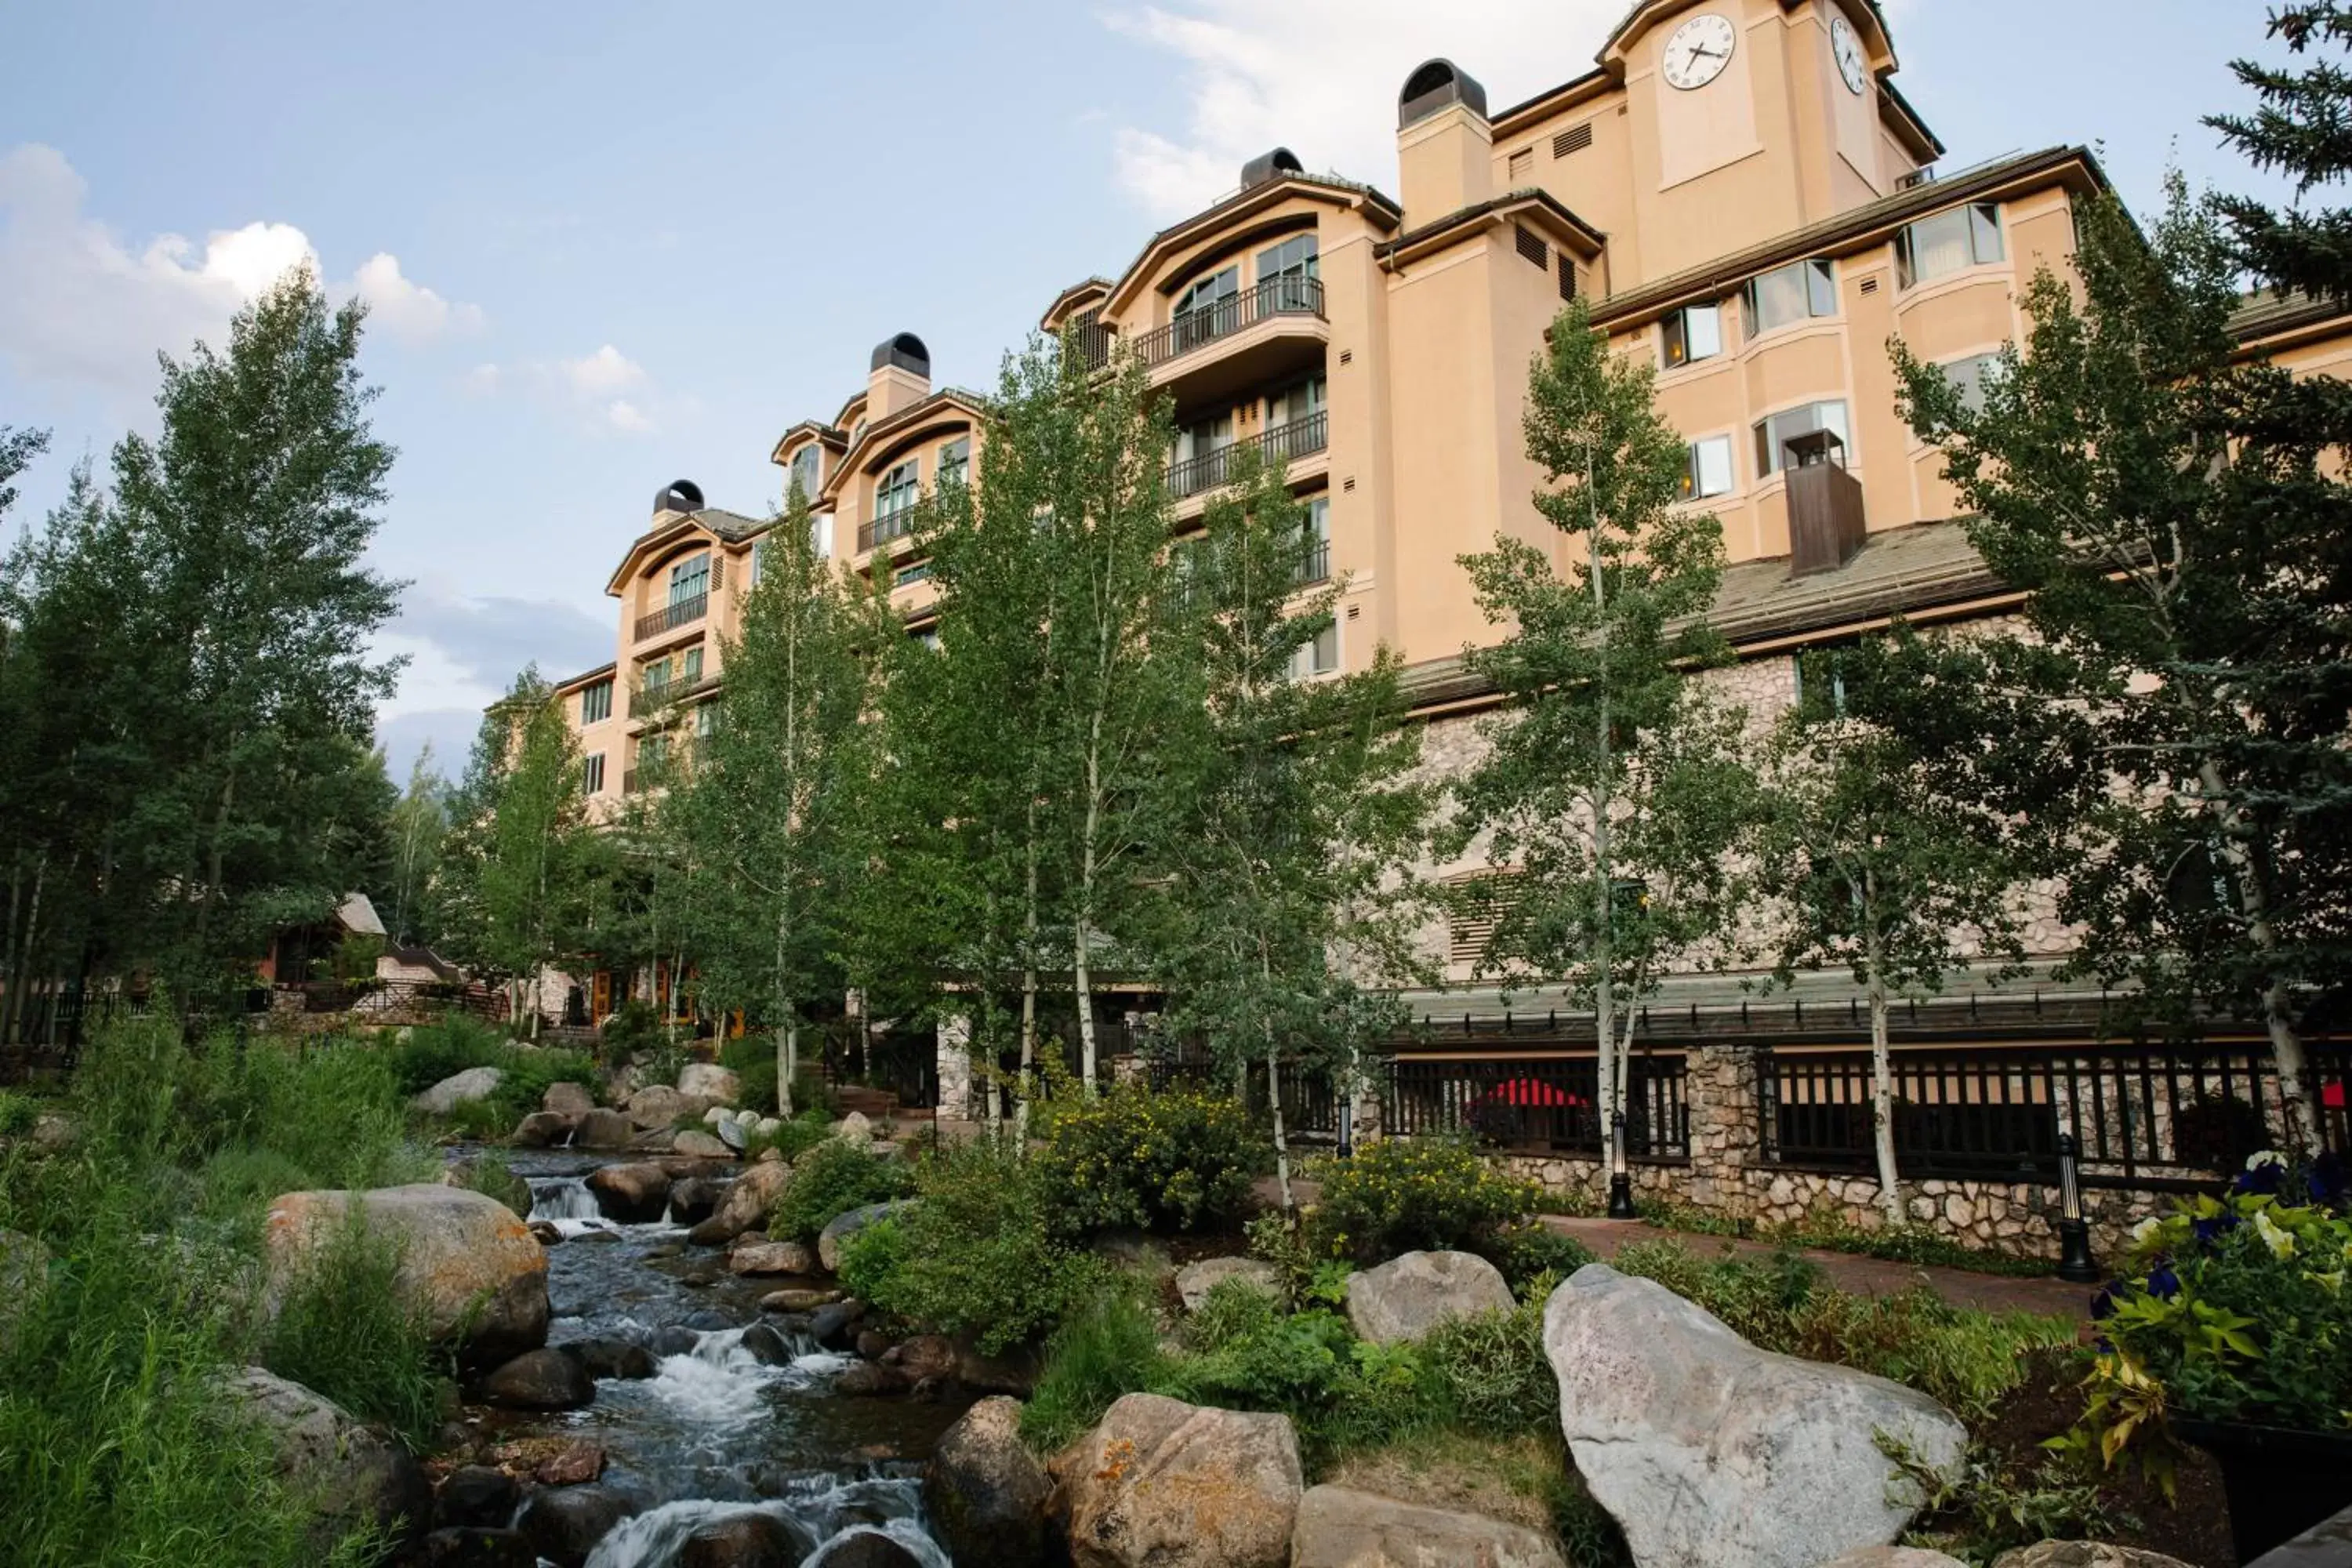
[1862, 1275]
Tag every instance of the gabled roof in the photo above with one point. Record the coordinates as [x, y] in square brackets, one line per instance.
[727, 527]
[1265, 193]
[1588, 238]
[891, 428]
[1071, 296]
[827, 435]
[584, 676]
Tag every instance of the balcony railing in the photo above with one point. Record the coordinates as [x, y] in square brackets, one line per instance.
[1285, 296]
[1316, 565]
[883, 529]
[669, 617]
[1285, 442]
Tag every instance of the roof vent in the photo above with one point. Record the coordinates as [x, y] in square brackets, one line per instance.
[1270, 167]
[1433, 85]
[907, 352]
[679, 496]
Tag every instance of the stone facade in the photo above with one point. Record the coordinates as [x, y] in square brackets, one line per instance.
[1727, 1176]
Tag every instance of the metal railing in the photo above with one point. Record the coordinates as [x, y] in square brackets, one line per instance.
[1315, 566]
[1545, 1104]
[1284, 442]
[1311, 1106]
[1999, 1111]
[1285, 296]
[883, 529]
[669, 617]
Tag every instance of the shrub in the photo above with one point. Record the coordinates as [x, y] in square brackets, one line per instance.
[1176, 1159]
[791, 1139]
[443, 1049]
[1534, 1251]
[341, 1330]
[752, 1061]
[1106, 1348]
[1491, 1374]
[632, 1031]
[829, 1181]
[1401, 1194]
[17, 1114]
[975, 1256]
[528, 1072]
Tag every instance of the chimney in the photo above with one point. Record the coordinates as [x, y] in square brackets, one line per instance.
[899, 376]
[1825, 522]
[1446, 149]
[679, 498]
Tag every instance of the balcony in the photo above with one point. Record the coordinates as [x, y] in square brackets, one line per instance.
[656, 695]
[1315, 566]
[1284, 443]
[669, 617]
[883, 529]
[1285, 296]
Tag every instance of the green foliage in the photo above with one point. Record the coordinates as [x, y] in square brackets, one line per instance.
[530, 1072]
[1984, 1507]
[791, 1138]
[455, 1044]
[18, 1112]
[1403, 1194]
[975, 1256]
[443, 1048]
[1108, 1348]
[341, 1332]
[1491, 1374]
[633, 1031]
[2299, 131]
[752, 1061]
[1901, 1244]
[1533, 1251]
[1179, 1159]
[1965, 1358]
[828, 1182]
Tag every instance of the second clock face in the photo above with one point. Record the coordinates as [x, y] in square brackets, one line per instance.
[1698, 50]
[1846, 44]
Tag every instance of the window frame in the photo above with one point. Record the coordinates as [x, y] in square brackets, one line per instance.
[596, 702]
[1819, 282]
[1674, 332]
[1979, 380]
[812, 458]
[953, 465]
[902, 482]
[592, 774]
[1308, 664]
[1693, 481]
[694, 568]
[1979, 222]
[1766, 468]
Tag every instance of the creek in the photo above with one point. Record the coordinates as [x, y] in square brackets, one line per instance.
[717, 1430]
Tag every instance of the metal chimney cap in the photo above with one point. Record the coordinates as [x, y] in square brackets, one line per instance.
[1433, 85]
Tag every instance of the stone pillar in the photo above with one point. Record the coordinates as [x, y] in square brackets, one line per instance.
[1726, 1140]
[956, 1102]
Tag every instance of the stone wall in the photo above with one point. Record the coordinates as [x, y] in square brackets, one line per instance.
[1728, 1177]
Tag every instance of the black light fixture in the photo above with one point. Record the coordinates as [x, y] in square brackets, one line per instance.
[2075, 1264]
[1621, 1180]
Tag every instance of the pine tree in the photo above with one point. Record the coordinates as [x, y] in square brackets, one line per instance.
[1586, 790]
[2303, 127]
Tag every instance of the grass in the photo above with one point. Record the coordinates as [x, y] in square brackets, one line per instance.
[1833, 1233]
[343, 1332]
[831, 1180]
[452, 1044]
[116, 1446]
[1527, 1479]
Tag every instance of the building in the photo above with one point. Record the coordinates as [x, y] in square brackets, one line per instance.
[1740, 188]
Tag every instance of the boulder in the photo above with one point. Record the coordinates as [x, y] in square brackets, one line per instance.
[834, 1327]
[1342, 1528]
[1195, 1281]
[770, 1258]
[1172, 1485]
[476, 1494]
[568, 1099]
[1705, 1450]
[2080, 1554]
[1901, 1557]
[925, 1355]
[482, 1176]
[544, 1130]
[710, 1081]
[854, 1128]
[604, 1129]
[745, 1206]
[614, 1358]
[467, 1266]
[843, 1227]
[985, 1493]
[633, 1194]
[867, 1547]
[575, 1464]
[767, 1344]
[741, 1541]
[699, 1146]
[564, 1526]
[475, 1546]
[797, 1301]
[456, 1089]
[656, 1106]
[1406, 1297]
[692, 1200]
[540, 1380]
[735, 1131]
[871, 1379]
[358, 1473]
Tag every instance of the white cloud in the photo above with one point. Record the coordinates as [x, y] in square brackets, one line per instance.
[606, 370]
[624, 414]
[79, 303]
[1320, 76]
[587, 387]
[484, 379]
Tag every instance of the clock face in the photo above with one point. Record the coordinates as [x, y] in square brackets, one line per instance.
[1846, 44]
[1698, 50]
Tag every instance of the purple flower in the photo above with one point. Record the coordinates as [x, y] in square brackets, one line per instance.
[2162, 1283]
[2263, 1178]
[2102, 1305]
[2209, 1231]
[2326, 1178]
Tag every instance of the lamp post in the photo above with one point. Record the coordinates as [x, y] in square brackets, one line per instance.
[2075, 1264]
[1621, 1180]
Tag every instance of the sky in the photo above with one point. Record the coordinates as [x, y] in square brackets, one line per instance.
[607, 245]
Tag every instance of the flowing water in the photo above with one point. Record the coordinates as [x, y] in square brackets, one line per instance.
[717, 1430]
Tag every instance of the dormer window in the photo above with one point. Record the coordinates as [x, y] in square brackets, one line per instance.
[807, 471]
[1789, 294]
[689, 579]
[1951, 241]
[894, 498]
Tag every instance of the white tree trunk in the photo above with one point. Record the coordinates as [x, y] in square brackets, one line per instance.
[2286, 1046]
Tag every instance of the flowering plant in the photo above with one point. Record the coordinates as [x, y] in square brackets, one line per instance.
[2231, 1308]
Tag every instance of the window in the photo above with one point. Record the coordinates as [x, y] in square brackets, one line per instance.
[1207, 309]
[689, 579]
[1950, 241]
[706, 719]
[920, 572]
[1693, 332]
[1319, 656]
[1787, 294]
[897, 494]
[820, 536]
[955, 461]
[1286, 272]
[808, 465]
[596, 702]
[1204, 437]
[1300, 400]
[760, 562]
[592, 774]
[652, 751]
[857, 433]
[1315, 566]
[1771, 434]
[1707, 470]
[691, 661]
[1972, 376]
